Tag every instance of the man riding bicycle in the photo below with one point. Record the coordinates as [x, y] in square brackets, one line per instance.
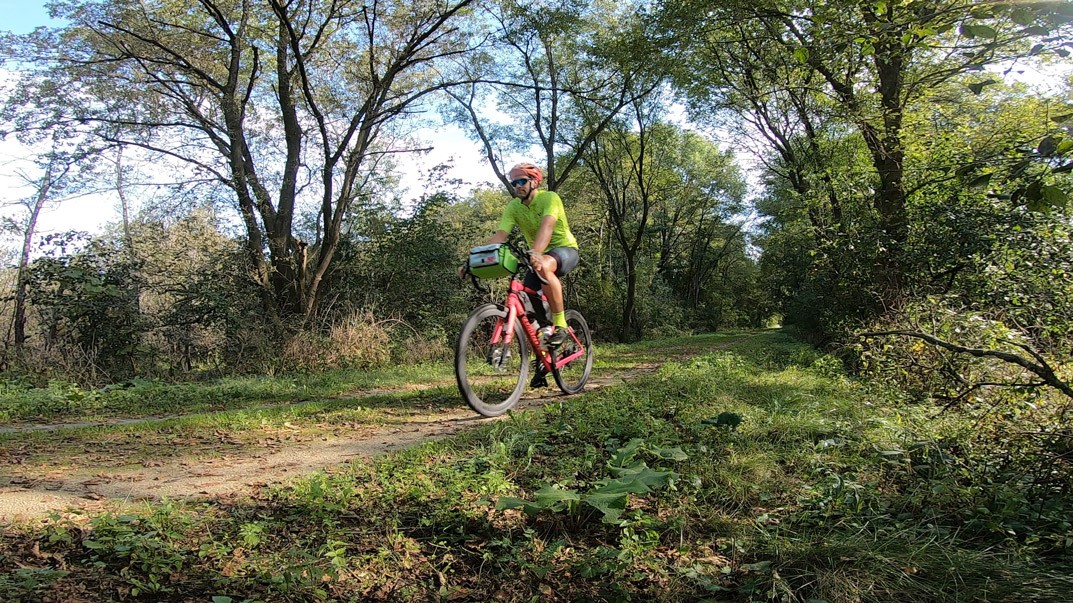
[553, 250]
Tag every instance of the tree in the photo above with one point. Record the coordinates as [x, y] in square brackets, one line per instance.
[620, 160]
[560, 75]
[284, 104]
[58, 174]
[52, 172]
[860, 66]
[82, 290]
[984, 242]
[698, 216]
[196, 310]
[669, 200]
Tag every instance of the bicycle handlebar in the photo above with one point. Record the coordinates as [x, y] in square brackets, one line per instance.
[521, 254]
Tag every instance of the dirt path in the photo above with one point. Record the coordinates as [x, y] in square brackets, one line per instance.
[88, 487]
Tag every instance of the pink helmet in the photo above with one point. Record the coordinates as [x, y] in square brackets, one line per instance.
[526, 170]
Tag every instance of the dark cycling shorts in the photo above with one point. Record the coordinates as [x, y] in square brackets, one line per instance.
[566, 257]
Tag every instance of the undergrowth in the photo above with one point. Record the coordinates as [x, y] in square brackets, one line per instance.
[753, 473]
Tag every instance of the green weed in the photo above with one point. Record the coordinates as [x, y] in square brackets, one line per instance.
[26, 584]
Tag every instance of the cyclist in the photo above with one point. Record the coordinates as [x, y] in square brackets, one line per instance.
[553, 250]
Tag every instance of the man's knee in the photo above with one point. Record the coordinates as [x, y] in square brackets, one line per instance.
[548, 266]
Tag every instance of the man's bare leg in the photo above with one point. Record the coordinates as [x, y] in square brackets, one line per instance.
[553, 289]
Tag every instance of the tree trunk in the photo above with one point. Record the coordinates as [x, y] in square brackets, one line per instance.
[629, 306]
[128, 240]
[121, 190]
[19, 319]
[888, 155]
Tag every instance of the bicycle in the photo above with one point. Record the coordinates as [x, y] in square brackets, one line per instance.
[492, 351]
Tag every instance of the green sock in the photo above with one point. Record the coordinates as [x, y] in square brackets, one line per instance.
[559, 319]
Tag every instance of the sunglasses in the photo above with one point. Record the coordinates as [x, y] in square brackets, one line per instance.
[519, 182]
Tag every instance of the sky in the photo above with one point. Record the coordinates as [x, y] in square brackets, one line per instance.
[93, 213]
[22, 16]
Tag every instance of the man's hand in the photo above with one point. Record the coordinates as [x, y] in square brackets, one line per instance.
[463, 270]
[542, 264]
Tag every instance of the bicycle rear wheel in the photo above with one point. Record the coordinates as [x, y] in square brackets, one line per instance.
[490, 377]
[573, 377]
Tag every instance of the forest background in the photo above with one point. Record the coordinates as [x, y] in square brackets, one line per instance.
[906, 201]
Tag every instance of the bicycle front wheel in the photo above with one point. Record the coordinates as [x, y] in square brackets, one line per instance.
[491, 377]
[572, 377]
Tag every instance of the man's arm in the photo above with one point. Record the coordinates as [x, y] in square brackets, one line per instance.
[543, 237]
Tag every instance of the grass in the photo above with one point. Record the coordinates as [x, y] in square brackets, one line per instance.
[756, 472]
[141, 421]
[68, 403]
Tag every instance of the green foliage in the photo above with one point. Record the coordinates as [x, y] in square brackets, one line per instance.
[924, 371]
[609, 495]
[199, 308]
[87, 304]
[25, 584]
[404, 268]
[730, 420]
[674, 233]
[165, 299]
[144, 550]
[850, 168]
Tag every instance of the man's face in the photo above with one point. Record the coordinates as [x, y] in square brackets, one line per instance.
[522, 186]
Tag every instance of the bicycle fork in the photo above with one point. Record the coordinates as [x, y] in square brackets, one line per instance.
[499, 352]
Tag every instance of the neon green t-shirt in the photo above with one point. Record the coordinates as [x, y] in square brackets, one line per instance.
[527, 219]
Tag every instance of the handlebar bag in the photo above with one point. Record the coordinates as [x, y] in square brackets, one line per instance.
[492, 261]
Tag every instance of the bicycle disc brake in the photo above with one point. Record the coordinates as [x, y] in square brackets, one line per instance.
[499, 357]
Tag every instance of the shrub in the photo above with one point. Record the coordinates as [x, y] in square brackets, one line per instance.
[428, 346]
[926, 371]
[356, 341]
[359, 340]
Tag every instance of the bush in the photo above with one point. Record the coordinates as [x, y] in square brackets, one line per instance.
[359, 340]
[428, 346]
[927, 371]
[356, 341]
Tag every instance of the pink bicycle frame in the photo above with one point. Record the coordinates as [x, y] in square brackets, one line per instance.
[504, 331]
